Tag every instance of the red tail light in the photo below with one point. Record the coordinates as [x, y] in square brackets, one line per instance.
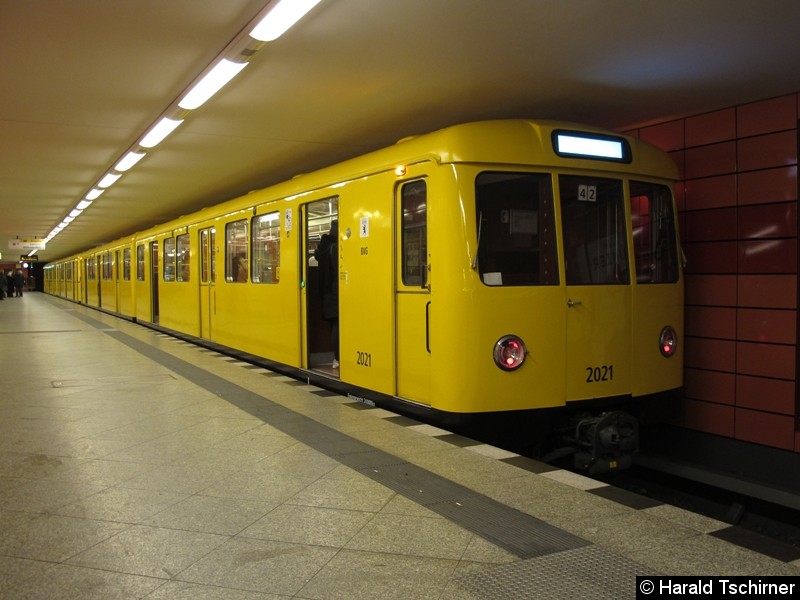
[668, 341]
[509, 352]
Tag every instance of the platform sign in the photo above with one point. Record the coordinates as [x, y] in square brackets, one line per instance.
[28, 257]
[26, 244]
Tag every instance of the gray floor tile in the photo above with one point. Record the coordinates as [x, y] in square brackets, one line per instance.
[259, 565]
[309, 525]
[149, 551]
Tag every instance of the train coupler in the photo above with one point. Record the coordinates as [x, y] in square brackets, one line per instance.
[606, 442]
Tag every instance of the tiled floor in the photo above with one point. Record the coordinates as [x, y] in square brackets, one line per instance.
[136, 466]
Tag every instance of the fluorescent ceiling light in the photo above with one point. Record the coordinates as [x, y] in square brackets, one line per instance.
[84, 204]
[209, 85]
[75, 213]
[94, 194]
[108, 180]
[130, 159]
[68, 219]
[278, 20]
[157, 134]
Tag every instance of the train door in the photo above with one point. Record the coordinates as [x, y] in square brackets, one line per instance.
[154, 280]
[413, 293]
[116, 267]
[598, 303]
[208, 276]
[320, 316]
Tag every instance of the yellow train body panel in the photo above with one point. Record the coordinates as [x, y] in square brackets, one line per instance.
[448, 243]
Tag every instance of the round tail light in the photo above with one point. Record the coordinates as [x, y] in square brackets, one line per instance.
[509, 352]
[668, 341]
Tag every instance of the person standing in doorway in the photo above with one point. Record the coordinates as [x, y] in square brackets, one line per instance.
[327, 255]
[19, 282]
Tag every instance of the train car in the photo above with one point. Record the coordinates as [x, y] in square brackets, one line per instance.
[495, 274]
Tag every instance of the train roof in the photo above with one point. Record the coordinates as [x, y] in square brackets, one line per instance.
[501, 142]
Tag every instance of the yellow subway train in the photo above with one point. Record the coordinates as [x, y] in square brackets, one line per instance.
[502, 275]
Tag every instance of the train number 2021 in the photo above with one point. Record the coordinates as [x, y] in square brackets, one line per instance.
[364, 359]
[598, 374]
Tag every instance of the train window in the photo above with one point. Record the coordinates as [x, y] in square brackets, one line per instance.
[415, 233]
[182, 257]
[595, 232]
[140, 262]
[169, 259]
[126, 264]
[107, 266]
[516, 232]
[266, 248]
[654, 244]
[208, 263]
[236, 252]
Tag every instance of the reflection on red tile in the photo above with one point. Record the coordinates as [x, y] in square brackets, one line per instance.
[711, 225]
[708, 417]
[766, 360]
[767, 151]
[771, 395]
[772, 185]
[767, 326]
[768, 291]
[711, 386]
[718, 126]
[707, 161]
[768, 221]
[711, 257]
[768, 256]
[775, 114]
[667, 136]
[716, 355]
[714, 192]
[713, 322]
[765, 428]
[711, 290]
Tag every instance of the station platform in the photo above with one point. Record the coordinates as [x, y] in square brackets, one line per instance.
[134, 465]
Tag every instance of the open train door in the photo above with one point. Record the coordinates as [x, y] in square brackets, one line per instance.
[318, 341]
[598, 288]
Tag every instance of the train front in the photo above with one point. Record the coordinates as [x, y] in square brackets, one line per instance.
[573, 299]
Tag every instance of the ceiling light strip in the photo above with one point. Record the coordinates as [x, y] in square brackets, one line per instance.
[277, 20]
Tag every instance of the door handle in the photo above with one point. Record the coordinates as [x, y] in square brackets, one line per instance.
[573, 303]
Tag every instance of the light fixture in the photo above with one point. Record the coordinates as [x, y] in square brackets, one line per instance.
[108, 180]
[280, 18]
[222, 73]
[94, 194]
[161, 130]
[75, 212]
[127, 161]
[68, 219]
[84, 204]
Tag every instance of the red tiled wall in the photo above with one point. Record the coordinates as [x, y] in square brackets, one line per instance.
[738, 212]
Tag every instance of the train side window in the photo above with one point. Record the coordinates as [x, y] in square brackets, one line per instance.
[594, 229]
[516, 231]
[654, 242]
[266, 248]
[169, 259]
[126, 264]
[140, 262]
[182, 257]
[236, 252]
[414, 198]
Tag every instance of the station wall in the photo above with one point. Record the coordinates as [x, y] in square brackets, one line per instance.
[738, 202]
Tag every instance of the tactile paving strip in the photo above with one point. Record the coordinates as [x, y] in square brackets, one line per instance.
[588, 572]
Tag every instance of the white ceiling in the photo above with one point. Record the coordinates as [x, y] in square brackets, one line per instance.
[81, 81]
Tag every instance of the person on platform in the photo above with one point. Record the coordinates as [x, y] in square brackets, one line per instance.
[19, 282]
